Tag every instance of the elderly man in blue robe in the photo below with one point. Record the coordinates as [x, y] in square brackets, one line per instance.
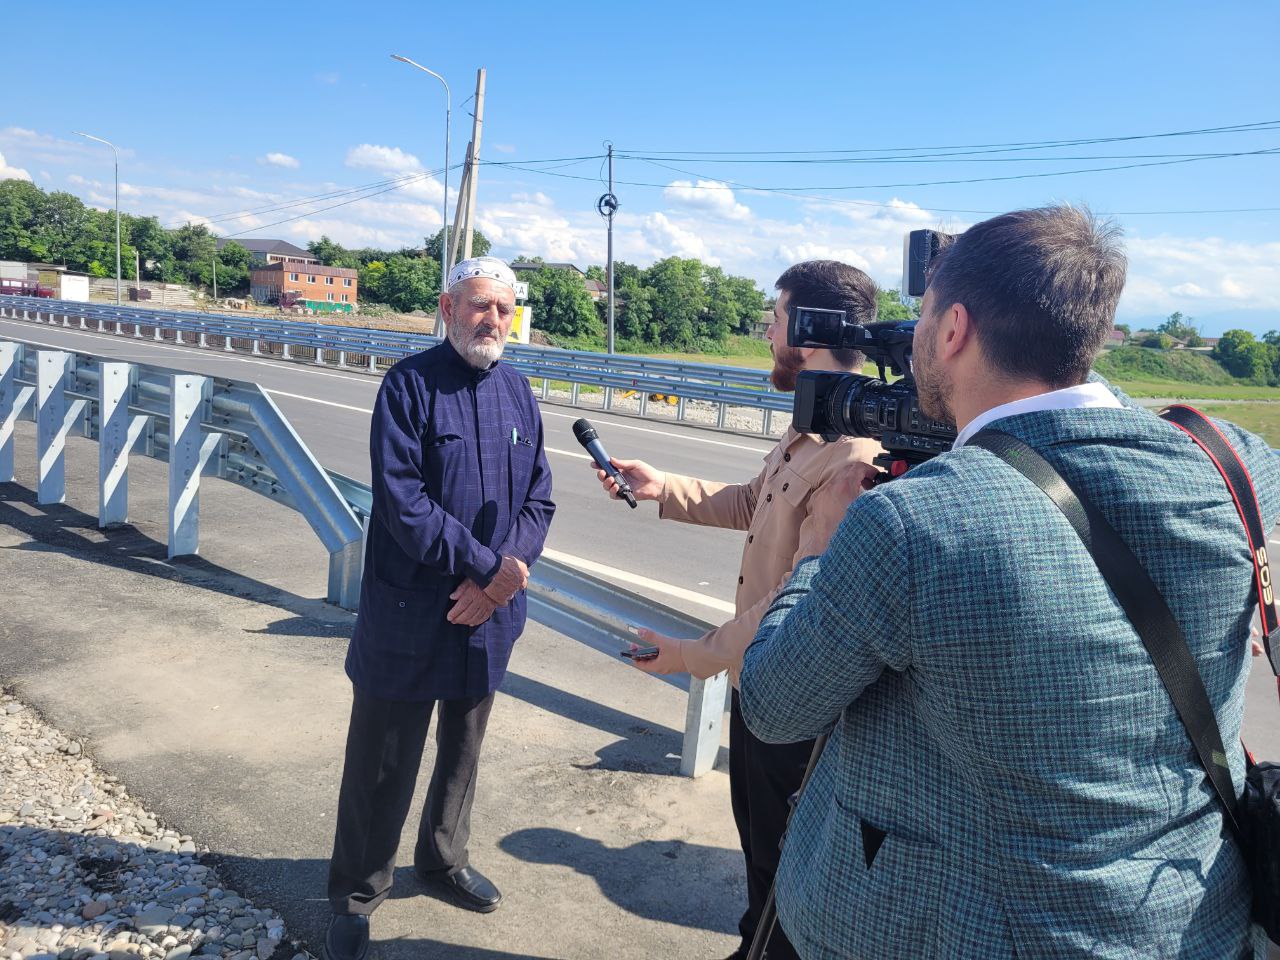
[461, 507]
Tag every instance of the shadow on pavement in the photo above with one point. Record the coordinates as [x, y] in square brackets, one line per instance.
[634, 877]
[59, 527]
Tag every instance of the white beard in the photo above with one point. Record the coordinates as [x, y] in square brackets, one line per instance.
[479, 354]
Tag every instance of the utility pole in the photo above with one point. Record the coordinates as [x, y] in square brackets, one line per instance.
[460, 212]
[137, 272]
[215, 271]
[477, 125]
[607, 206]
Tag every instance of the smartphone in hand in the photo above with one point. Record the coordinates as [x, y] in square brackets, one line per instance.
[641, 653]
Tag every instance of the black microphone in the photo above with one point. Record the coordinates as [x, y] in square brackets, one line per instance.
[588, 437]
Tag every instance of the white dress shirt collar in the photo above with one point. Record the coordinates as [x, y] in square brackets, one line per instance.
[1068, 398]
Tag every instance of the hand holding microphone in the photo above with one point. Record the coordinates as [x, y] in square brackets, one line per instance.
[629, 480]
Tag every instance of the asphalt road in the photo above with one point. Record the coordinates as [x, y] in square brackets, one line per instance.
[691, 568]
[330, 410]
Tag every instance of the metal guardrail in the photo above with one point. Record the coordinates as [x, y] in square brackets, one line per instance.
[211, 426]
[358, 348]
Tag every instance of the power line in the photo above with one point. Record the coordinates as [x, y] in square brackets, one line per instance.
[1255, 126]
[788, 192]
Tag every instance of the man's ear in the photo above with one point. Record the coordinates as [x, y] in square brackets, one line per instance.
[446, 307]
[956, 332]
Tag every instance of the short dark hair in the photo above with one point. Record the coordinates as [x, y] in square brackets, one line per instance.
[832, 285]
[1040, 286]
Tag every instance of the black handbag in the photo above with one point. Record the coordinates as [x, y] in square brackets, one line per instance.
[1254, 818]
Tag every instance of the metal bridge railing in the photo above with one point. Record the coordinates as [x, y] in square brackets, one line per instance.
[229, 429]
[357, 348]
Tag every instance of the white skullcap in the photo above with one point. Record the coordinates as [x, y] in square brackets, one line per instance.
[490, 267]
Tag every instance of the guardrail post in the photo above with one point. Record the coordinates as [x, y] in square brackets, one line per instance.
[137, 331]
[257, 347]
[574, 390]
[189, 450]
[204, 341]
[342, 359]
[284, 352]
[373, 363]
[177, 335]
[319, 360]
[13, 400]
[720, 415]
[102, 327]
[644, 402]
[608, 398]
[159, 333]
[680, 408]
[704, 718]
[54, 417]
[546, 387]
[768, 423]
[226, 343]
[117, 435]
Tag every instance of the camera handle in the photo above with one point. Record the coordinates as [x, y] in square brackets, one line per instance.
[769, 915]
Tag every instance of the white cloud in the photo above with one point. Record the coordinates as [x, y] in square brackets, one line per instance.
[12, 173]
[1167, 270]
[369, 156]
[280, 160]
[709, 196]
[504, 148]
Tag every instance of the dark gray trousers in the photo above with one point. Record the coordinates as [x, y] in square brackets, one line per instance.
[384, 751]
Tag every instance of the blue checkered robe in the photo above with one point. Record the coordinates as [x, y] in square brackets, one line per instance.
[460, 479]
[993, 711]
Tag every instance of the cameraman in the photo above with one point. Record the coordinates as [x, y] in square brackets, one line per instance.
[1006, 775]
[789, 511]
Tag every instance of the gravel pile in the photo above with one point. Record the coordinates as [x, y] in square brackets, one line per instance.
[87, 874]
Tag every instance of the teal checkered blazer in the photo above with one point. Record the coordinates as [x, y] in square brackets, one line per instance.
[1006, 776]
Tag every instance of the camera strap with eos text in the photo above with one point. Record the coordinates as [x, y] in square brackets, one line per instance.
[1254, 819]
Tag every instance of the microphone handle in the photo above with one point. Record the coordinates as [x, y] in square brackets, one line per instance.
[598, 454]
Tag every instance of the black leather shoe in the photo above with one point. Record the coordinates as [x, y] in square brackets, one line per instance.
[467, 888]
[347, 938]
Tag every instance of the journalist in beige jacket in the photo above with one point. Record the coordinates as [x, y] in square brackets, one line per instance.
[788, 512]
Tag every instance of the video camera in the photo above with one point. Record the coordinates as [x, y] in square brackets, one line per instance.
[854, 405]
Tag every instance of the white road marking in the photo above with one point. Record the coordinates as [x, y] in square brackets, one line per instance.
[567, 453]
[626, 576]
[327, 403]
[663, 433]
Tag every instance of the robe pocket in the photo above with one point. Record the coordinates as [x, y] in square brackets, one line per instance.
[897, 883]
[407, 621]
[520, 457]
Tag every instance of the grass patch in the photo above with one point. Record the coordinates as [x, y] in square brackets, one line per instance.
[1260, 418]
[1143, 364]
[1195, 391]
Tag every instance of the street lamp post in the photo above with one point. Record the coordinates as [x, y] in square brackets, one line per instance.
[444, 205]
[116, 155]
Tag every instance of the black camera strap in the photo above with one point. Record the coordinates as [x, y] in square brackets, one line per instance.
[1141, 601]
[1236, 476]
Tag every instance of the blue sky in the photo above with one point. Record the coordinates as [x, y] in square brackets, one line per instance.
[247, 106]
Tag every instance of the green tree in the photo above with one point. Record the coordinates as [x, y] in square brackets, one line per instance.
[561, 305]
[480, 245]
[1156, 341]
[1182, 328]
[889, 306]
[22, 206]
[333, 254]
[193, 248]
[62, 229]
[371, 276]
[1123, 328]
[679, 299]
[410, 283]
[1243, 355]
